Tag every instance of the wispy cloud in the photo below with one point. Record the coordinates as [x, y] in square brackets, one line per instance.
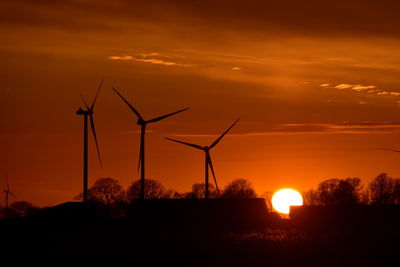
[382, 93]
[343, 86]
[359, 87]
[355, 87]
[154, 54]
[153, 58]
[156, 61]
[364, 127]
[121, 57]
[369, 89]
[163, 62]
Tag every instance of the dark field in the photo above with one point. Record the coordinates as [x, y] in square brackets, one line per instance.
[118, 246]
[134, 242]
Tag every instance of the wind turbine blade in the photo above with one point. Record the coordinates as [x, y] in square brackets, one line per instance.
[185, 143]
[95, 137]
[84, 101]
[9, 192]
[222, 135]
[398, 151]
[97, 94]
[212, 170]
[126, 101]
[166, 116]
[140, 161]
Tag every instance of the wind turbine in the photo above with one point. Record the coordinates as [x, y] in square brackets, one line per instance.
[88, 112]
[143, 123]
[7, 192]
[208, 162]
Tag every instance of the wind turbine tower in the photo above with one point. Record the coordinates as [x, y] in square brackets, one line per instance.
[143, 123]
[88, 116]
[7, 192]
[208, 162]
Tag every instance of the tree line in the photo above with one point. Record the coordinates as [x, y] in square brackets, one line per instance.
[107, 191]
[109, 194]
[382, 190]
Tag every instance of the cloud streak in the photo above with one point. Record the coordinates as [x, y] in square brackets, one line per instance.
[355, 87]
[152, 58]
[313, 128]
[339, 128]
[369, 89]
[123, 58]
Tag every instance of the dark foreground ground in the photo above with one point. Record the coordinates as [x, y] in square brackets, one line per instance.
[118, 246]
[127, 242]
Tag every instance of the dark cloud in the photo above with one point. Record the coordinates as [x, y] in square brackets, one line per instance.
[342, 17]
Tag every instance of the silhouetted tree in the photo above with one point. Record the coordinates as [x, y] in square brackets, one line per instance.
[106, 191]
[268, 200]
[239, 188]
[364, 197]
[176, 194]
[153, 189]
[397, 191]
[310, 197]
[339, 192]
[384, 190]
[22, 208]
[198, 191]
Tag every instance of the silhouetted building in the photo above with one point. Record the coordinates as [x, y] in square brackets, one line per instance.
[199, 215]
[347, 219]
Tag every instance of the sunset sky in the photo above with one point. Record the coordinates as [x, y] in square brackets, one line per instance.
[316, 85]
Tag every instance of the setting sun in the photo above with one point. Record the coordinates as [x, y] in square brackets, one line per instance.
[284, 198]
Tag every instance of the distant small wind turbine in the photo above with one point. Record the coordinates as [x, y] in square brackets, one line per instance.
[143, 123]
[7, 192]
[88, 112]
[208, 162]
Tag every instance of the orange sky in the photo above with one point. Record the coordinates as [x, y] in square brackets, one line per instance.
[315, 85]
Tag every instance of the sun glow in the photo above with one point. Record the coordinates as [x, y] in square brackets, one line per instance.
[284, 198]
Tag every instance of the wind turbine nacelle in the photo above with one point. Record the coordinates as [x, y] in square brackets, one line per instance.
[80, 111]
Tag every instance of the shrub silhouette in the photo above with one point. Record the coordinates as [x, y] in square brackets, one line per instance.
[153, 190]
[339, 192]
[239, 188]
[106, 191]
[384, 190]
[198, 191]
[22, 209]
